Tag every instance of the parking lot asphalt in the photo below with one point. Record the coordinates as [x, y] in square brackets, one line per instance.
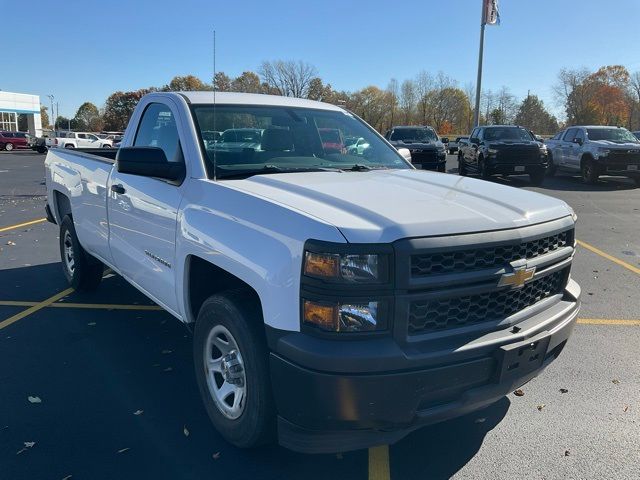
[101, 385]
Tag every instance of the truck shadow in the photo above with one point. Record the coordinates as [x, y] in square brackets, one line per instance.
[441, 450]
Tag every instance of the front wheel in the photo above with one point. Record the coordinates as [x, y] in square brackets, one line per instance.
[231, 362]
[442, 168]
[8, 147]
[69, 146]
[484, 169]
[462, 168]
[552, 168]
[590, 172]
[83, 271]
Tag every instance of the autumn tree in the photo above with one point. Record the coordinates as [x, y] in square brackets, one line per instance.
[221, 82]
[88, 117]
[247, 82]
[44, 117]
[120, 106]
[188, 83]
[372, 105]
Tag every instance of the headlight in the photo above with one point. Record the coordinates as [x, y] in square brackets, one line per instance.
[603, 152]
[346, 267]
[349, 317]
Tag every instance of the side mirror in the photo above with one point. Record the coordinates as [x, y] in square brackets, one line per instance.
[474, 140]
[578, 141]
[406, 154]
[444, 140]
[148, 162]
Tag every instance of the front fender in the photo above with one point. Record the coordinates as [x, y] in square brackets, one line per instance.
[254, 239]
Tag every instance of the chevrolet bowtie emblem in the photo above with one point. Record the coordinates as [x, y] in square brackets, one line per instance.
[517, 278]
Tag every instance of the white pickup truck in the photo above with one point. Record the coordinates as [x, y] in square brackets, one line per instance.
[78, 140]
[338, 299]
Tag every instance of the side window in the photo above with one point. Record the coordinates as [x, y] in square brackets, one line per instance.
[480, 134]
[158, 129]
[388, 134]
[570, 135]
[580, 135]
[82, 136]
[474, 133]
[92, 137]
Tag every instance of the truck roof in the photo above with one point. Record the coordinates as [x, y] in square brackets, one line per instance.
[255, 99]
[595, 126]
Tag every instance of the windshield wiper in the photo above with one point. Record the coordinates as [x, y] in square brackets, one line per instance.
[363, 168]
[267, 169]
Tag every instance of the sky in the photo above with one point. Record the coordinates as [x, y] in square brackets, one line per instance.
[86, 50]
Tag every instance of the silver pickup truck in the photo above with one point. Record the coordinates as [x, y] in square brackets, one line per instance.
[595, 151]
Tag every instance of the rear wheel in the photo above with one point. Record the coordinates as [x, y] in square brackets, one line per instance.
[462, 168]
[83, 271]
[8, 147]
[536, 177]
[69, 146]
[590, 171]
[442, 168]
[637, 180]
[231, 362]
[552, 168]
[483, 169]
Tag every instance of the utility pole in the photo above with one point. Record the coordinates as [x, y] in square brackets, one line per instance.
[476, 115]
[53, 121]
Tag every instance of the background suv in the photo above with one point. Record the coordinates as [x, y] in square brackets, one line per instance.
[11, 140]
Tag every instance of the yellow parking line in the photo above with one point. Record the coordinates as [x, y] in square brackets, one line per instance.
[25, 224]
[597, 251]
[379, 463]
[35, 308]
[101, 306]
[608, 321]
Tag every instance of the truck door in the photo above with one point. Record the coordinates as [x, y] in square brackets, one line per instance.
[567, 146]
[575, 153]
[143, 212]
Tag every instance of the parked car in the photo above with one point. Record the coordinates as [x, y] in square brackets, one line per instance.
[453, 145]
[636, 134]
[427, 150]
[336, 303]
[505, 150]
[332, 140]
[594, 151]
[359, 147]
[13, 140]
[83, 140]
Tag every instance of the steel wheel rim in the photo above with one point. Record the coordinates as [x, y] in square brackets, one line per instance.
[9, 147]
[225, 372]
[69, 260]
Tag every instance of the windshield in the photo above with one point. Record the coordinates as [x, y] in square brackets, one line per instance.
[618, 135]
[507, 133]
[414, 134]
[262, 139]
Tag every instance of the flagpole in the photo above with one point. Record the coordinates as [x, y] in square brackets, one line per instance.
[476, 115]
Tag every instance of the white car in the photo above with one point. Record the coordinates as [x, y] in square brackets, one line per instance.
[337, 302]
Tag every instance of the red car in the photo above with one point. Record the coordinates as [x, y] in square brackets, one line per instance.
[332, 140]
[11, 140]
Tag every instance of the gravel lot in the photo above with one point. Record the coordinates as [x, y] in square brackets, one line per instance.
[110, 393]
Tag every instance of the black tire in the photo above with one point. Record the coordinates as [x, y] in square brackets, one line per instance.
[483, 170]
[536, 177]
[552, 168]
[442, 168]
[42, 150]
[589, 171]
[85, 272]
[8, 147]
[106, 145]
[69, 146]
[637, 180]
[462, 168]
[239, 313]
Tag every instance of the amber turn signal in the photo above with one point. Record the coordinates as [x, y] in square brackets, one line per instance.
[321, 264]
[322, 315]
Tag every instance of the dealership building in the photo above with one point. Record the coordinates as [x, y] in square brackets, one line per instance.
[14, 104]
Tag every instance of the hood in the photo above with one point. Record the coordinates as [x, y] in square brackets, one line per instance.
[386, 205]
[518, 143]
[412, 145]
[616, 145]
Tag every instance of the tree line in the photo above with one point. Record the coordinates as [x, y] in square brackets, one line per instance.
[610, 95]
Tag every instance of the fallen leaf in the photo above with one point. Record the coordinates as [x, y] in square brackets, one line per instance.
[34, 399]
[122, 450]
[29, 444]
[185, 431]
[615, 381]
[138, 412]
[540, 407]
[216, 455]
[563, 390]
[518, 393]
[626, 407]
[567, 453]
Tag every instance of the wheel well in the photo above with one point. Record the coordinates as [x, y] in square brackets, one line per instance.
[62, 205]
[585, 157]
[205, 279]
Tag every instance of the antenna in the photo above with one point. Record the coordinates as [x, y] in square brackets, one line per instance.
[215, 87]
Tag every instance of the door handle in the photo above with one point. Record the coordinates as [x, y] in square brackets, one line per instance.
[118, 189]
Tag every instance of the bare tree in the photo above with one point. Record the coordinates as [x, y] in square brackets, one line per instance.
[407, 100]
[288, 77]
[393, 92]
[424, 84]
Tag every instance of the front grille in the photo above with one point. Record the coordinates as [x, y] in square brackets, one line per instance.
[424, 156]
[623, 156]
[442, 314]
[466, 260]
[518, 155]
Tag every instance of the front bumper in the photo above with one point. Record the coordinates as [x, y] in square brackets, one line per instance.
[335, 396]
[516, 167]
